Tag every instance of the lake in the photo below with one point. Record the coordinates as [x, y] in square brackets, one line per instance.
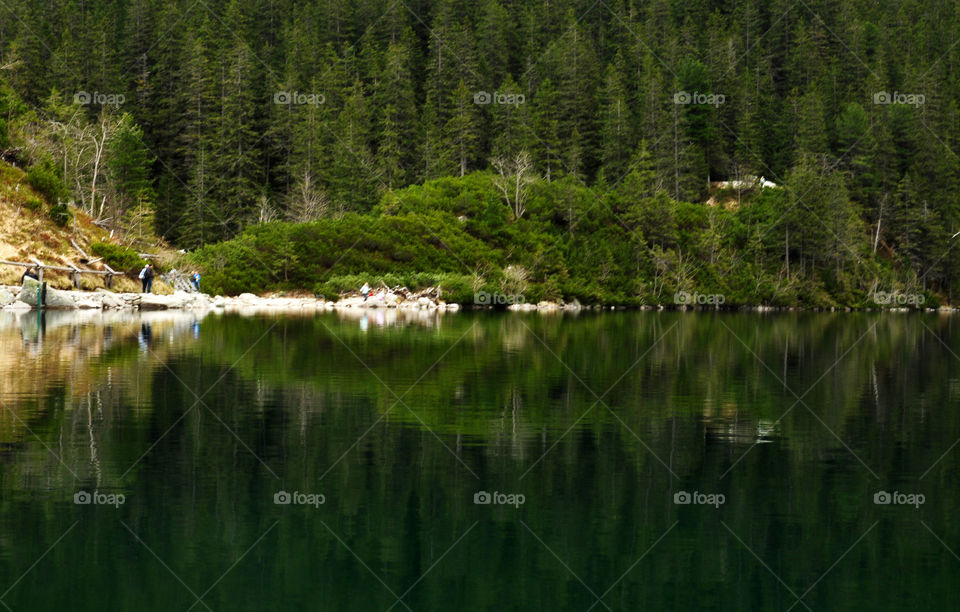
[479, 461]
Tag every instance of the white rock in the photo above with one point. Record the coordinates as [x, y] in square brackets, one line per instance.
[109, 300]
[54, 297]
[151, 301]
[6, 297]
[89, 302]
[351, 302]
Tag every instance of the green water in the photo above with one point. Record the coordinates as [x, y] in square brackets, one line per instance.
[597, 423]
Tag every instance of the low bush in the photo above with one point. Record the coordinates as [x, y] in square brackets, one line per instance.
[117, 257]
[599, 246]
[45, 181]
[60, 214]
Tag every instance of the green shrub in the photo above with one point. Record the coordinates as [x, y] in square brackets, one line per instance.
[117, 257]
[44, 180]
[60, 214]
[611, 247]
[33, 204]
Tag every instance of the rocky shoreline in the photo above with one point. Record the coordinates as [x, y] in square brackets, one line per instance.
[14, 298]
[25, 298]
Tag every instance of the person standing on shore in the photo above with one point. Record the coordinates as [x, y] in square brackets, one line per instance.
[30, 273]
[146, 278]
[365, 290]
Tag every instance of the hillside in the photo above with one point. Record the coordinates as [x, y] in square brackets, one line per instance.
[28, 229]
[220, 132]
[630, 245]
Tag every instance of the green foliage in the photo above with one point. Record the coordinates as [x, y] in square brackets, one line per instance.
[574, 243]
[60, 214]
[33, 204]
[117, 256]
[45, 181]
[278, 114]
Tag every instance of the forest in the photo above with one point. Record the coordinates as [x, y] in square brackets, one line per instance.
[602, 151]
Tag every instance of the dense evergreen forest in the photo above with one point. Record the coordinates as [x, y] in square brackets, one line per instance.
[565, 147]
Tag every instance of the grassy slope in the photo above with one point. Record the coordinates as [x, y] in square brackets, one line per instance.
[25, 232]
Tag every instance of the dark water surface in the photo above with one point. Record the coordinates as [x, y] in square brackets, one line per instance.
[586, 432]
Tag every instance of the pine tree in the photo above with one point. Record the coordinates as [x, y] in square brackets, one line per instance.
[547, 145]
[510, 124]
[235, 160]
[355, 182]
[461, 131]
[615, 135]
[129, 167]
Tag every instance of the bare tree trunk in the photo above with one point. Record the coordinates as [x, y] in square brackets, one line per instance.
[876, 237]
[787, 251]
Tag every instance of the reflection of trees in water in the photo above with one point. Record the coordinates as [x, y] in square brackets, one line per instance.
[699, 399]
[80, 362]
[498, 381]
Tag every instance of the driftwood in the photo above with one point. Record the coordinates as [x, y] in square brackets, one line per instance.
[434, 293]
[77, 246]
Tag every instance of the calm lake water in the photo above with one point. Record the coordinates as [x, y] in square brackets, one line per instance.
[631, 460]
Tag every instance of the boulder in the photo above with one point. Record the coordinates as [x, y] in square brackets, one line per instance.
[201, 300]
[151, 301]
[18, 305]
[6, 297]
[55, 299]
[90, 302]
[131, 300]
[110, 301]
[351, 302]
